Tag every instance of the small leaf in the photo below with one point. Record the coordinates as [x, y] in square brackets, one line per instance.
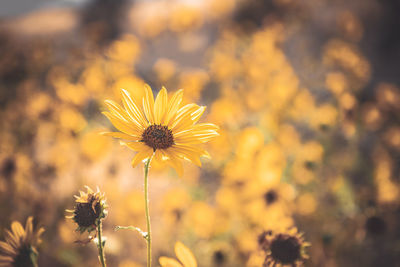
[133, 228]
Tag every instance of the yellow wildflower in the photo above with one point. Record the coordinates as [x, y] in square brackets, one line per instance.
[161, 128]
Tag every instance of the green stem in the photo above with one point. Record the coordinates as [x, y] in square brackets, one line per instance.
[33, 256]
[100, 245]
[146, 196]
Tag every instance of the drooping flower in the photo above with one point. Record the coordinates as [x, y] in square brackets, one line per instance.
[161, 127]
[90, 208]
[283, 248]
[20, 248]
[184, 255]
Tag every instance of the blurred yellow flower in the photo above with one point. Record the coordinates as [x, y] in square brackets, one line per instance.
[336, 82]
[184, 255]
[71, 119]
[388, 96]
[161, 128]
[202, 219]
[164, 68]
[174, 205]
[125, 50]
[93, 145]
[306, 204]
[20, 248]
[185, 18]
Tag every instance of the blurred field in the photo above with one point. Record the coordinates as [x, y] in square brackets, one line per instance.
[306, 94]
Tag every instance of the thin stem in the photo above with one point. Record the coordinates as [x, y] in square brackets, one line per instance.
[100, 245]
[33, 256]
[146, 196]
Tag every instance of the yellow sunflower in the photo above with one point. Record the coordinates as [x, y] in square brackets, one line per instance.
[184, 255]
[20, 248]
[161, 128]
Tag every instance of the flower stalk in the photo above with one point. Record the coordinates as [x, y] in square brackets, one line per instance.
[146, 203]
[100, 245]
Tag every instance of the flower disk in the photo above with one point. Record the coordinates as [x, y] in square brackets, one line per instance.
[161, 128]
[285, 248]
[158, 137]
[85, 215]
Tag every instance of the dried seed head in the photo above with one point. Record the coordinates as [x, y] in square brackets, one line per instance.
[85, 215]
[286, 249]
[89, 209]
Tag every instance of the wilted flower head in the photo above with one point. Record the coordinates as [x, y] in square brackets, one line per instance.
[20, 248]
[285, 248]
[161, 127]
[90, 208]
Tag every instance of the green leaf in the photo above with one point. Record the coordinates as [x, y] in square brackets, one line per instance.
[133, 228]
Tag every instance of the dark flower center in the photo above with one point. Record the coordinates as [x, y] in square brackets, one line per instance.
[219, 257]
[23, 258]
[158, 137]
[285, 249]
[84, 215]
[310, 165]
[270, 197]
[375, 225]
[178, 214]
[8, 167]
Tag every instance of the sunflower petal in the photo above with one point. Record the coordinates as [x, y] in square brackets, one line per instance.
[173, 161]
[29, 229]
[160, 106]
[197, 129]
[136, 146]
[12, 240]
[37, 235]
[169, 262]
[121, 136]
[6, 249]
[121, 114]
[121, 125]
[188, 154]
[173, 106]
[185, 255]
[183, 115]
[17, 229]
[189, 119]
[5, 260]
[141, 155]
[196, 139]
[133, 109]
[117, 110]
[158, 156]
[148, 104]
